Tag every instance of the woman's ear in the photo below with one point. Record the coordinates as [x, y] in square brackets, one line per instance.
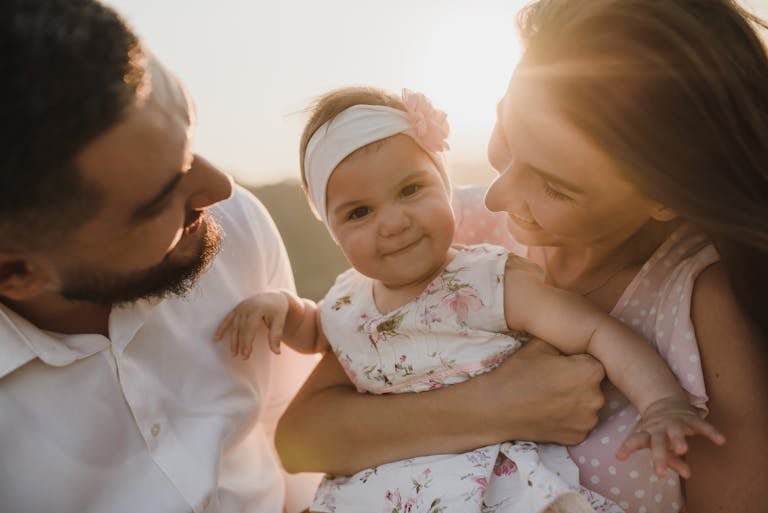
[21, 277]
[663, 213]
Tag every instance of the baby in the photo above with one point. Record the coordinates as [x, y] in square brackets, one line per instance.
[416, 313]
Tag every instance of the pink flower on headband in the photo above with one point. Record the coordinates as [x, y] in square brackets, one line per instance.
[429, 124]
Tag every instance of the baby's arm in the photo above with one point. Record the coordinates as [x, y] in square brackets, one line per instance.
[575, 325]
[275, 316]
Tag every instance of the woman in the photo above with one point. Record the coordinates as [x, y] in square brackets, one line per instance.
[632, 147]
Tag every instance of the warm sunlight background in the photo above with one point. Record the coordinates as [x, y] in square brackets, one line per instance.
[252, 65]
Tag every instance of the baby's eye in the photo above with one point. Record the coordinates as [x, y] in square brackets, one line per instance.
[358, 212]
[410, 190]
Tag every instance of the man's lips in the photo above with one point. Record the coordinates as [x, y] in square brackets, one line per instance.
[195, 221]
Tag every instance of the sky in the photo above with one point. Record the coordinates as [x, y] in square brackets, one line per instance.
[252, 66]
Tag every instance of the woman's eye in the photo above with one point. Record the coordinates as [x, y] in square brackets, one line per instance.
[358, 213]
[554, 193]
[410, 190]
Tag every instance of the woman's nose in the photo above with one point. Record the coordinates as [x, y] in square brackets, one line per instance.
[208, 185]
[505, 190]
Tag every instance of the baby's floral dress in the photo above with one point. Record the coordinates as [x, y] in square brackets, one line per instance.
[453, 331]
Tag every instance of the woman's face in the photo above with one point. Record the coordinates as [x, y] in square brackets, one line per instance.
[558, 188]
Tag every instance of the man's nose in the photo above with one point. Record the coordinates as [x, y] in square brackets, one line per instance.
[209, 186]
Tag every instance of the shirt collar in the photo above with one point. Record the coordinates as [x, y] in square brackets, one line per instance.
[21, 341]
[14, 351]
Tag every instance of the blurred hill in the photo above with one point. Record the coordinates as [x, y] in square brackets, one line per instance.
[315, 258]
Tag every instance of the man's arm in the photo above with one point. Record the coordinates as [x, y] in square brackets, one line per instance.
[534, 395]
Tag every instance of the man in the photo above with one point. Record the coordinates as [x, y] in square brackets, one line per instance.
[120, 252]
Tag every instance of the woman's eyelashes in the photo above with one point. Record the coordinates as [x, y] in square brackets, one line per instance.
[554, 193]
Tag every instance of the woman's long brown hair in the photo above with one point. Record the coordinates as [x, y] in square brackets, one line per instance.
[676, 92]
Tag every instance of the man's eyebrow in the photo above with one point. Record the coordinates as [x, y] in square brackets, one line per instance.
[145, 209]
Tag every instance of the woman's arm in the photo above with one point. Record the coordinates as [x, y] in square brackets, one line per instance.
[534, 395]
[734, 477]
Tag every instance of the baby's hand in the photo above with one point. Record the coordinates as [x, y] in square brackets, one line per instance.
[255, 319]
[663, 428]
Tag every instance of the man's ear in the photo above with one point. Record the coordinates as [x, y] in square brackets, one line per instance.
[663, 213]
[22, 277]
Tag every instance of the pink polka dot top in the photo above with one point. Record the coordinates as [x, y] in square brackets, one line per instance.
[657, 304]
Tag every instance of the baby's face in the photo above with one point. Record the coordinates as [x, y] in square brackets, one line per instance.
[390, 212]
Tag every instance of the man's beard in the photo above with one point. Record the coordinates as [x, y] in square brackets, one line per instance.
[169, 277]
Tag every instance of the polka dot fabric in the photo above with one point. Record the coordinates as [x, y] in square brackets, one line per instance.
[657, 304]
[475, 224]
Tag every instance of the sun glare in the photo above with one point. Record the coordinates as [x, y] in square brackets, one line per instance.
[470, 60]
[267, 64]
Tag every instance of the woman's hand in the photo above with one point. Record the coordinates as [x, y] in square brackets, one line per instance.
[534, 395]
[559, 395]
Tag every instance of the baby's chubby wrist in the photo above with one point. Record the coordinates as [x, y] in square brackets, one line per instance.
[677, 403]
[298, 309]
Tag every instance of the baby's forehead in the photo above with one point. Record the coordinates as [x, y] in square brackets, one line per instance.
[367, 150]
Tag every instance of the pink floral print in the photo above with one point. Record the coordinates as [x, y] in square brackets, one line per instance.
[453, 330]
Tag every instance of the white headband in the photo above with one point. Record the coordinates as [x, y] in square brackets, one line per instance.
[360, 125]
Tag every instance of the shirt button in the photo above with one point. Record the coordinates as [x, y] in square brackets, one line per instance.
[155, 429]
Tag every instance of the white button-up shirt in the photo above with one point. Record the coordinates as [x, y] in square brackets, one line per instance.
[157, 418]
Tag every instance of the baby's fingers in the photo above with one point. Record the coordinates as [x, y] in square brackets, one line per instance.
[276, 333]
[660, 450]
[704, 428]
[224, 326]
[233, 338]
[676, 434]
[634, 442]
[679, 465]
[250, 329]
[274, 345]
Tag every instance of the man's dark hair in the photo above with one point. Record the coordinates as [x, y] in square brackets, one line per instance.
[70, 69]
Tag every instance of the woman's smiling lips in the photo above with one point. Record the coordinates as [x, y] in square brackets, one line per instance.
[523, 222]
